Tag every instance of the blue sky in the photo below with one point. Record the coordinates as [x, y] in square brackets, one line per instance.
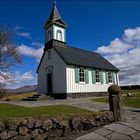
[111, 28]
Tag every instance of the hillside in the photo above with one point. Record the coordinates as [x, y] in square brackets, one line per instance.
[28, 88]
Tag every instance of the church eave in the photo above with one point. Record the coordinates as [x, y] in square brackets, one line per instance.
[49, 23]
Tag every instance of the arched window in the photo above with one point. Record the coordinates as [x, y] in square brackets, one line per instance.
[110, 77]
[97, 75]
[59, 35]
[49, 35]
[81, 75]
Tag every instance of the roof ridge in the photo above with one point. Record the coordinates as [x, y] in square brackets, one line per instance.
[83, 50]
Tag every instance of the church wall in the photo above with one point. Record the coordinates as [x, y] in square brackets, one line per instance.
[59, 73]
[73, 87]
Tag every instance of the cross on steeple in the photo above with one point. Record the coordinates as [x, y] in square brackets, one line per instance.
[54, 2]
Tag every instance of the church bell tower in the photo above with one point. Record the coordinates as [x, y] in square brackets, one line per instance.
[55, 27]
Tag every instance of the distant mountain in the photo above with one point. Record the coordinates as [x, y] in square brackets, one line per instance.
[28, 88]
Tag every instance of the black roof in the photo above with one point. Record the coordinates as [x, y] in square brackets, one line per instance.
[79, 57]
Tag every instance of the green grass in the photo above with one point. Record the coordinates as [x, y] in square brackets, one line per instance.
[18, 96]
[8, 111]
[133, 101]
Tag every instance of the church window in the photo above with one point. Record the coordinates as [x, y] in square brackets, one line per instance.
[110, 77]
[97, 76]
[81, 75]
[59, 35]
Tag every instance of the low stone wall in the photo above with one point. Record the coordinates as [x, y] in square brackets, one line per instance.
[91, 94]
[51, 128]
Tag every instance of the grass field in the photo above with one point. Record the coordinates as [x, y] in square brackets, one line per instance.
[133, 101]
[18, 96]
[8, 111]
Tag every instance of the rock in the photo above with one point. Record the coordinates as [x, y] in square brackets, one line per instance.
[76, 122]
[56, 133]
[40, 131]
[2, 126]
[42, 136]
[20, 137]
[23, 130]
[12, 124]
[55, 120]
[30, 123]
[87, 124]
[129, 94]
[23, 122]
[115, 103]
[35, 132]
[38, 134]
[55, 125]
[114, 89]
[104, 117]
[64, 124]
[110, 116]
[47, 125]
[38, 123]
[98, 118]
[7, 134]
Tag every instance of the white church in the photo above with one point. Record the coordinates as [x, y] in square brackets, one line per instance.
[67, 71]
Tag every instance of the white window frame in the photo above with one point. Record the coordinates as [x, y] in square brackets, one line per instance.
[81, 75]
[97, 77]
[59, 35]
[110, 78]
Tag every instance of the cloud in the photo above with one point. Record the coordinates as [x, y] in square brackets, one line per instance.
[32, 52]
[131, 35]
[37, 44]
[24, 34]
[20, 32]
[124, 53]
[18, 77]
[115, 46]
[19, 28]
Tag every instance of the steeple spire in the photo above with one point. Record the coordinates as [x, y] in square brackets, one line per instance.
[55, 17]
[54, 14]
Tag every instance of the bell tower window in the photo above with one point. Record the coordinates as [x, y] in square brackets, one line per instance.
[59, 35]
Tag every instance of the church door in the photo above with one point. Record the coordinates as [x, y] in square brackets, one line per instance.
[49, 82]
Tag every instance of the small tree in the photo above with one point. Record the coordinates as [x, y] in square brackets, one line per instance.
[9, 56]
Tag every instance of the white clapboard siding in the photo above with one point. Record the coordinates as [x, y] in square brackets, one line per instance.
[73, 87]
